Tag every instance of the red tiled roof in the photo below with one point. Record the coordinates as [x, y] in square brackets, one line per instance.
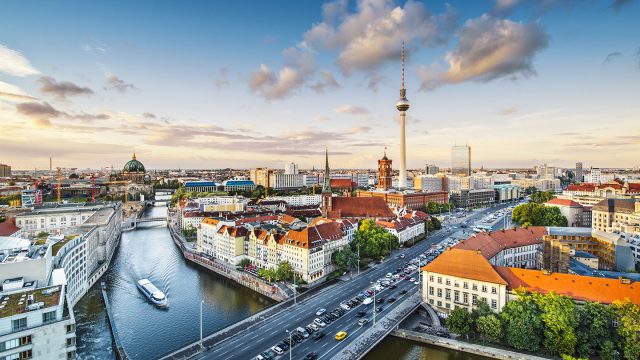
[287, 219]
[342, 183]
[563, 202]
[581, 288]
[233, 231]
[491, 243]
[313, 236]
[360, 207]
[588, 187]
[465, 264]
[8, 227]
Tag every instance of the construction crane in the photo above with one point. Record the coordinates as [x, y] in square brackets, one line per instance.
[59, 194]
[126, 189]
[93, 189]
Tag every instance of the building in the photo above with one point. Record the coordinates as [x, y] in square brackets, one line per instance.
[613, 250]
[461, 160]
[595, 176]
[570, 209]
[260, 176]
[291, 168]
[507, 192]
[36, 322]
[5, 171]
[406, 199]
[517, 247]
[428, 183]
[310, 180]
[477, 182]
[238, 184]
[406, 228]
[299, 200]
[578, 176]
[200, 186]
[553, 185]
[286, 181]
[384, 173]
[402, 105]
[466, 198]
[343, 185]
[134, 171]
[460, 278]
[431, 169]
[614, 213]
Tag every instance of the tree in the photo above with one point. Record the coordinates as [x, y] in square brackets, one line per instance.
[541, 197]
[522, 323]
[609, 351]
[533, 214]
[269, 274]
[189, 232]
[344, 259]
[258, 192]
[558, 313]
[628, 315]
[284, 271]
[489, 327]
[244, 263]
[374, 241]
[481, 309]
[594, 327]
[459, 321]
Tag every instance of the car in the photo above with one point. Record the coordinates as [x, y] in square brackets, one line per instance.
[367, 301]
[259, 357]
[379, 309]
[311, 356]
[272, 354]
[319, 322]
[341, 335]
[265, 355]
[379, 300]
[402, 276]
[314, 327]
[283, 346]
[303, 332]
[391, 299]
[412, 279]
[321, 311]
[318, 335]
[309, 329]
[363, 322]
[403, 292]
[287, 341]
[326, 319]
[401, 256]
[361, 313]
[277, 350]
[393, 286]
[389, 275]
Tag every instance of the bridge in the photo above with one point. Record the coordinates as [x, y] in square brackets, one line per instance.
[132, 223]
[250, 337]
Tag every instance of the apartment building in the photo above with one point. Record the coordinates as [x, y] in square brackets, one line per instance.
[614, 213]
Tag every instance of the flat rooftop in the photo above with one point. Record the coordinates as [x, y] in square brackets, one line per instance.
[16, 303]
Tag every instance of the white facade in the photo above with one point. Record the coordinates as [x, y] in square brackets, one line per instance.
[286, 181]
[298, 200]
[524, 257]
[428, 183]
[480, 182]
[50, 220]
[310, 180]
[291, 168]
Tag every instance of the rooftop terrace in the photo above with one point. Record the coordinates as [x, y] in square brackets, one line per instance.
[15, 304]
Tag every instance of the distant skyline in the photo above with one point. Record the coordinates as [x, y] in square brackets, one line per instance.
[227, 84]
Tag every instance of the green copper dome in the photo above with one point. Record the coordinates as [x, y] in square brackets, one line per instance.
[134, 165]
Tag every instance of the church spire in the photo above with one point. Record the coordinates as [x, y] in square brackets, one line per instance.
[134, 156]
[327, 173]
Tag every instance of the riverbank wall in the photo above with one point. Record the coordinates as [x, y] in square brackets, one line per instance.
[121, 354]
[476, 349]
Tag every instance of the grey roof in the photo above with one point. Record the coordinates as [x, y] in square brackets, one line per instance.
[615, 205]
[11, 242]
[569, 231]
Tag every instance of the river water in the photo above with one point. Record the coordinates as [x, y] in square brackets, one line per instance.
[148, 332]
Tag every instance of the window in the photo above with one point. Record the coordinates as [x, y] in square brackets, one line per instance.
[431, 290]
[465, 298]
[448, 282]
[19, 324]
[474, 299]
[494, 290]
[439, 292]
[484, 288]
[8, 345]
[456, 296]
[439, 280]
[48, 316]
[448, 306]
[465, 285]
[494, 304]
[430, 277]
[475, 287]
[71, 342]
[448, 294]
[440, 303]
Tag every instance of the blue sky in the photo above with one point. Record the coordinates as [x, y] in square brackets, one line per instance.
[242, 84]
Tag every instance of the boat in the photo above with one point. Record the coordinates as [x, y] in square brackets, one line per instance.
[152, 293]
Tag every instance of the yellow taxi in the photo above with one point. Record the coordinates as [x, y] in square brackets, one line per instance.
[341, 335]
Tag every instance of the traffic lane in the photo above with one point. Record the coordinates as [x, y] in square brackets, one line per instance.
[234, 345]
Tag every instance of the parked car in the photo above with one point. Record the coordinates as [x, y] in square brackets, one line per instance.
[320, 311]
[277, 350]
[363, 322]
[319, 322]
[319, 335]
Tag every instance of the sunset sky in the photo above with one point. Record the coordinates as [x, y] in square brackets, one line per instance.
[195, 84]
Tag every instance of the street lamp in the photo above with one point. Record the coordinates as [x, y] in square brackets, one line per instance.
[290, 344]
[374, 303]
[358, 258]
[201, 345]
[295, 300]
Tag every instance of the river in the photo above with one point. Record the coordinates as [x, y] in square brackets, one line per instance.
[148, 332]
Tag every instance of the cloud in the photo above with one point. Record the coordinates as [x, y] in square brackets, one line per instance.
[94, 47]
[373, 34]
[13, 63]
[299, 66]
[352, 110]
[62, 89]
[149, 115]
[327, 82]
[223, 78]
[619, 4]
[508, 111]
[504, 6]
[115, 83]
[488, 49]
[611, 56]
[409, 119]
[13, 93]
[43, 112]
[374, 81]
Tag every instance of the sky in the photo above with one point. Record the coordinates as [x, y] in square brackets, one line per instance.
[242, 84]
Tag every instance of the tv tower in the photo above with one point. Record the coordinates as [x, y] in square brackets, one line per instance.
[403, 105]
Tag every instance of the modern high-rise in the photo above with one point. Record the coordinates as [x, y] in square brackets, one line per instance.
[291, 168]
[461, 160]
[403, 105]
[578, 175]
[5, 170]
[431, 169]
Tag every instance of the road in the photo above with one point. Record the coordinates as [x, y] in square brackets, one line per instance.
[248, 344]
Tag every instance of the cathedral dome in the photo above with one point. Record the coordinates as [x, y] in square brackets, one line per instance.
[134, 165]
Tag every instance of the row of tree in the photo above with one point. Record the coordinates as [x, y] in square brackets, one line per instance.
[556, 324]
[284, 272]
[437, 208]
[371, 240]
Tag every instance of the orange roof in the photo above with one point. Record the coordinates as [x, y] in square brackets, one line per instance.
[313, 236]
[360, 207]
[342, 183]
[563, 202]
[210, 221]
[582, 288]
[288, 219]
[8, 227]
[491, 243]
[465, 264]
[589, 187]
